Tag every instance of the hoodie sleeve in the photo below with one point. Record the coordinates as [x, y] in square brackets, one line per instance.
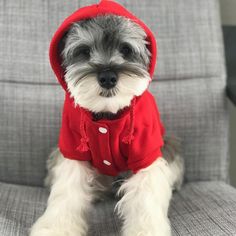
[148, 137]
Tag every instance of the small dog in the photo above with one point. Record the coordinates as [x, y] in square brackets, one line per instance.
[106, 65]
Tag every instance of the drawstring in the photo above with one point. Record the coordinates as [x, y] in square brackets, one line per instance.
[130, 137]
[83, 147]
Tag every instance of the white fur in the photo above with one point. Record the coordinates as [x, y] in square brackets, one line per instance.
[73, 187]
[177, 172]
[86, 92]
[145, 203]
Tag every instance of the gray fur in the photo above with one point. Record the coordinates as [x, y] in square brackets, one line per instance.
[172, 154]
[105, 36]
[172, 146]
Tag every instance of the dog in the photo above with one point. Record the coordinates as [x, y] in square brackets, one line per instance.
[106, 61]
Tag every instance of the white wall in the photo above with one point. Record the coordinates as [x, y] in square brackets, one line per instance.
[228, 12]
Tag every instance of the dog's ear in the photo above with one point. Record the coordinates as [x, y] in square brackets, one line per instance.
[146, 53]
[61, 47]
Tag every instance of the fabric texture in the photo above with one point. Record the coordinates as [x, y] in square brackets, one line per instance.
[199, 209]
[30, 117]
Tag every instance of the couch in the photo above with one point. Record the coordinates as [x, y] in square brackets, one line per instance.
[189, 86]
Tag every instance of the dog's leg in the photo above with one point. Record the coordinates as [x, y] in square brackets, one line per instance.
[144, 205]
[172, 153]
[72, 187]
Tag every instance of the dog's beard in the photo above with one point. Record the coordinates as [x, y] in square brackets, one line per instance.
[87, 93]
[109, 92]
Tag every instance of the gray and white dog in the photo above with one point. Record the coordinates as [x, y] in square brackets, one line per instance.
[106, 62]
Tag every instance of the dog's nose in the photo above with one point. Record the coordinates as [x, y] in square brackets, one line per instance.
[107, 79]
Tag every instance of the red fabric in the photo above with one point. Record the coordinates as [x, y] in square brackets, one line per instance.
[108, 146]
[130, 142]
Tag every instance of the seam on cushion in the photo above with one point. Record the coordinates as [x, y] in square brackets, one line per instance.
[27, 82]
[155, 79]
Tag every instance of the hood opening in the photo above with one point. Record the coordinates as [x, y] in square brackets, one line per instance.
[104, 7]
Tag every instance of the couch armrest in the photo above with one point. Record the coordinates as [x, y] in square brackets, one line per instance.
[231, 90]
[230, 53]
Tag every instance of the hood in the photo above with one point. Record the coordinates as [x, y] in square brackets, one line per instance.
[102, 8]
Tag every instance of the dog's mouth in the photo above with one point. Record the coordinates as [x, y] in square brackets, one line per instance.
[108, 92]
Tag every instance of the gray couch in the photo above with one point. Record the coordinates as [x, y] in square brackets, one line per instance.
[189, 86]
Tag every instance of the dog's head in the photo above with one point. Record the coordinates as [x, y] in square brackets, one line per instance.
[106, 61]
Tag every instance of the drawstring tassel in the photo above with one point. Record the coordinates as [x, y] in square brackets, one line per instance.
[130, 137]
[83, 147]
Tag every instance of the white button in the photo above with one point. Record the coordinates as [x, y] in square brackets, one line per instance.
[106, 162]
[102, 130]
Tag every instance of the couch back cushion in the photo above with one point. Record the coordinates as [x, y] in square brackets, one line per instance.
[188, 85]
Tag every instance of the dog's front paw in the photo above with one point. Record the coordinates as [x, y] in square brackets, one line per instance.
[38, 231]
[159, 229]
[45, 228]
[53, 231]
[160, 232]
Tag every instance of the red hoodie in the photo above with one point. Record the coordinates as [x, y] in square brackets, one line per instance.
[130, 142]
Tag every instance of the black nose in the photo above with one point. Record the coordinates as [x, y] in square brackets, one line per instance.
[107, 79]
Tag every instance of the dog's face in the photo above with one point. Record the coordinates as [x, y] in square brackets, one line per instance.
[106, 62]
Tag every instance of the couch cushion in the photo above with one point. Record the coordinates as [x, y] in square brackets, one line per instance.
[195, 110]
[19, 207]
[204, 208]
[29, 127]
[199, 209]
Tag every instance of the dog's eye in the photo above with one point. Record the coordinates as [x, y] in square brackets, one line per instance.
[125, 50]
[83, 51]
